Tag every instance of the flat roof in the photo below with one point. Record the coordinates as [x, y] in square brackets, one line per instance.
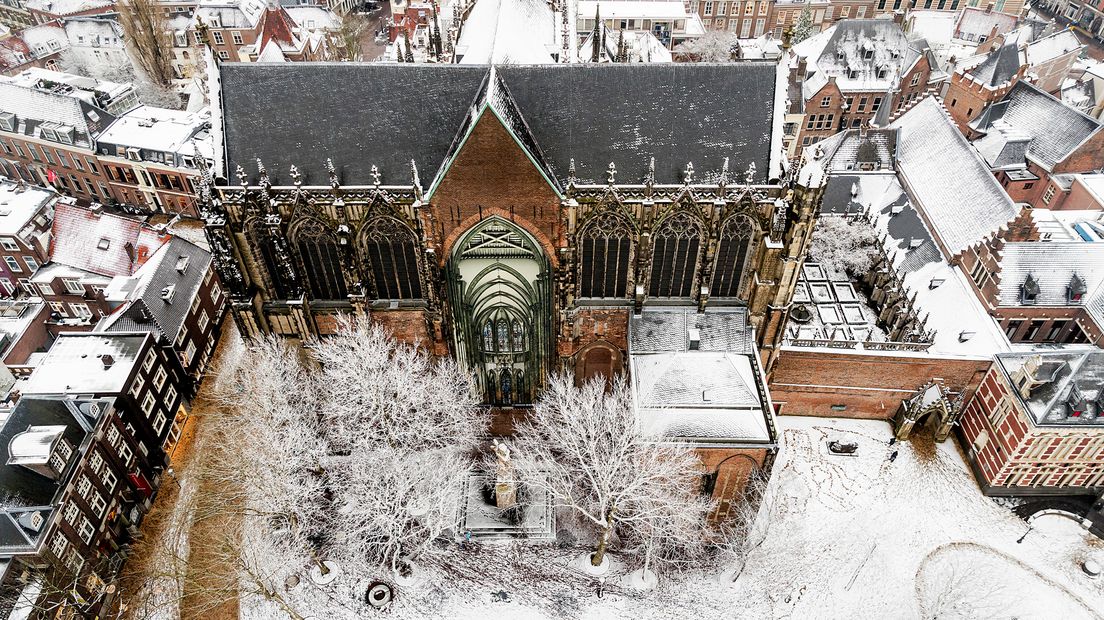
[74, 365]
[19, 203]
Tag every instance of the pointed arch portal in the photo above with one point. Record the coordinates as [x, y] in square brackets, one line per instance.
[499, 279]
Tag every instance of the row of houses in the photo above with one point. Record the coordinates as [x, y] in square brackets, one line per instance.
[92, 140]
[107, 326]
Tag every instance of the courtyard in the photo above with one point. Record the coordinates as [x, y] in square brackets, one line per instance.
[846, 536]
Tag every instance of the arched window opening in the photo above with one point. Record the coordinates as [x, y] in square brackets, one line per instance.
[737, 235]
[674, 257]
[321, 261]
[519, 337]
[488, 336]
[503, 336]
[392, 258]
[507, 387]
[492, 387]
[604, 257]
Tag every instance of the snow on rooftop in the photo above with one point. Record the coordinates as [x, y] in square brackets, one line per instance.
[1052, 265]
[508, 31]
[1049, 48]
[160, 129]
[18, 204]
[75, 364]
[954, 189]
[624, 9]
[65, 7]
[961, 323]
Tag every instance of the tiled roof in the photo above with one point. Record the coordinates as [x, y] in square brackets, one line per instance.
[667, 329]
[102, 243]
[1052, 265]
[1047, 403]
[999, 66]
[956, 192]
[293, 114]
[1055, 129]
[179, 264]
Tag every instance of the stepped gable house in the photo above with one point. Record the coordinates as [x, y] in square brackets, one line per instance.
[515, 217]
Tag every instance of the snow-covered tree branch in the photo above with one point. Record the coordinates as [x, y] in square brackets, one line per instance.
[583, 447]
[713, 46]
[844, 245]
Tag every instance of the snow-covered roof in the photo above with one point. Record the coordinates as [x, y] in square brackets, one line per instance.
[74, 364]
[1051, 47]
[961, 323]
[508, 31]
[230, 14]
[999, 66]
[65, 7]
[695, 377]
[313, 17]
[1052, 265]
[103, 243]
[639, 47]
[1074, 380]
[975, 23]
[952, 185]
[867, 54]
[1055, 129]
[163, 130]
[937, 27]
[857, 149]
[92, 32]
[19, 203]
[139, 301]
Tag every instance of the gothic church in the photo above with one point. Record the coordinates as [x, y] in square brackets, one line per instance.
[516, 217]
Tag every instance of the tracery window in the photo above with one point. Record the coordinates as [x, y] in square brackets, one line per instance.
[392, 258]
[604, 260]
[321, 261]
[503, 335]
[488, 336]
[272, 265]
[736, 238]
[675, 256]
[519, 336]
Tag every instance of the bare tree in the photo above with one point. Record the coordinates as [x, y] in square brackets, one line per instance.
[965, 590]
[403, 427]
[713, 46]
[748, 523]
[123, 73]
[583, 447]
[844, 245]
[347, 39]
[148, 38]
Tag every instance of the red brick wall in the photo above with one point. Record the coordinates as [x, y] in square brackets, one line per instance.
[733, 466]
[492, 174]
[867, 385]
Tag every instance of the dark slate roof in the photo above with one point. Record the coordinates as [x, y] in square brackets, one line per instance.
[365, 114]
[999, 66]
[1055, 129]
[359, 115]
[628, 113]
[145, 309]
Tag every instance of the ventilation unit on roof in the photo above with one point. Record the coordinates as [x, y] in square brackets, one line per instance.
[108, 361]
[182, 265]
[915, 243]
[895, 209]
[168, 293]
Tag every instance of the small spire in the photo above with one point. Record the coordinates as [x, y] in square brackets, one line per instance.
[332, 172]
[571, 172]
[611, 172]
[724, 173]
[243, 180]
[749, 176]
[649, 177]
[296, 176]
[375, 175]
[414, 174]
[688, 173]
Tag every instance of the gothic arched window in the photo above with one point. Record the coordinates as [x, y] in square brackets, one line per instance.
[519, 336]
[488, 336]
[492, 387]
[321, 261]
[392, 257]
[604, 257]
[267, 249]
[507, 387]
[737, 236]
[675, 257]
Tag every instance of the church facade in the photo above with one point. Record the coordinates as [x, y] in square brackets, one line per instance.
[514, 217]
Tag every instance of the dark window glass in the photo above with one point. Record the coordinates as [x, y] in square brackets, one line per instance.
[604, 261]
[674, 257]
[392, 258]
[732, 254]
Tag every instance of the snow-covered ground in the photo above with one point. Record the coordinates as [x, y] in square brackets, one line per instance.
[849, 536]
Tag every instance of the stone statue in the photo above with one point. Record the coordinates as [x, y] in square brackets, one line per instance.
[505, 483]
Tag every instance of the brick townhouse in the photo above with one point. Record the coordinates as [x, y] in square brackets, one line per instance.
[843, 77]
[1035, 425]
[1035, 144]
[91, 140]
[26, 215]
[822, 13]
[104, 405]
[89, 248]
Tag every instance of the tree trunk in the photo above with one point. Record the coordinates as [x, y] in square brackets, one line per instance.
[600, 552]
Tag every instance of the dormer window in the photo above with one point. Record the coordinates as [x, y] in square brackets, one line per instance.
[1075, 403]
[104, 243]
[868, 54]
[168, 293]
[1029, 292]
[1075, 290]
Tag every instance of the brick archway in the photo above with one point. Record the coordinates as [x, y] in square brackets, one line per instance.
[598, 358]
[472, 221]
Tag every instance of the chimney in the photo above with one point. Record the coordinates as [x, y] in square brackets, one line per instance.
[695, 338]
[108, 361]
